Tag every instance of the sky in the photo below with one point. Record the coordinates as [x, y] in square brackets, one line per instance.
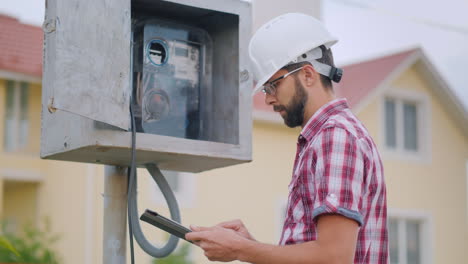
[370, 28]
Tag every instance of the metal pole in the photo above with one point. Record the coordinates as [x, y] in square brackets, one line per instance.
[115, 215]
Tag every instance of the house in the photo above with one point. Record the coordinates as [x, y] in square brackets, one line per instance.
[419, 126]
[20, 82]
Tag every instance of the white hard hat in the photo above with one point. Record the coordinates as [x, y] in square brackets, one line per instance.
[283, 40]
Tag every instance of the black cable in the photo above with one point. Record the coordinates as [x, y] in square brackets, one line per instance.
[135, 231]
[132, 258]
[131, 173]
[130, 170]
[134, 228]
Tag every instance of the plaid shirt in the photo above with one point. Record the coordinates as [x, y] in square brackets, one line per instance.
[338, 170]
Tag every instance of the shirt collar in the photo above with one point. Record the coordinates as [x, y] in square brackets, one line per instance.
[320, 116]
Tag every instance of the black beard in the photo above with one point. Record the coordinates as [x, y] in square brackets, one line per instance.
[295, 109]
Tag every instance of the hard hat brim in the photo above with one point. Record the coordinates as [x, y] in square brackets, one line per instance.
[260, 83]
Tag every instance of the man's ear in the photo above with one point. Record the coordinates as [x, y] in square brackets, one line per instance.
[310, 75]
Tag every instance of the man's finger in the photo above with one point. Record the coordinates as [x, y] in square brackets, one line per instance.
[196, 236]
[231, 224]
[199, 228]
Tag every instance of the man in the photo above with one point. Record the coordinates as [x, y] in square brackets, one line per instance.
[337, 198]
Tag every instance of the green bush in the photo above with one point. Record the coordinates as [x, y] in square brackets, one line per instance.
[6, 245]
[180, 256]
[32, 245]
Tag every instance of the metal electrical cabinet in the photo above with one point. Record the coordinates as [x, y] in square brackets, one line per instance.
[182, 64]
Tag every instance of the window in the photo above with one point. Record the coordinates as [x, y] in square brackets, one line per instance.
[404, 241]
[406, 129]
[390, 123]
[16, 116]
[409, 239]
[19, 203]
[401, 124]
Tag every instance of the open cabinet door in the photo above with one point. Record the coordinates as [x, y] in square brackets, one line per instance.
[87, 59]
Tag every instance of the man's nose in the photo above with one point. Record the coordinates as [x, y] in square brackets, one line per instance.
[270, 99]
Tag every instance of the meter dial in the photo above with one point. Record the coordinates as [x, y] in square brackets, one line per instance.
[156, 105]
[157, 52]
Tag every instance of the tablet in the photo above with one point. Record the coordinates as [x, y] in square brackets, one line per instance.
[165, 224]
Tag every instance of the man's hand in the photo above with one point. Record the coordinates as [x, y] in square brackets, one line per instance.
[336, 243]
[237, 226]
[219, 243]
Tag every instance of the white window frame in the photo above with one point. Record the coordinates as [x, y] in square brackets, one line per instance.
[426, 235]
[19, 77]
[185, 195]
[17, 145]
[423, 116]
[25, 175]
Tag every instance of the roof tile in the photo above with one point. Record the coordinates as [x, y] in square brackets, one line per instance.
[20, 47]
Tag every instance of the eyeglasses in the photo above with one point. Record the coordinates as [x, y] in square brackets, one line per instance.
[270, 87]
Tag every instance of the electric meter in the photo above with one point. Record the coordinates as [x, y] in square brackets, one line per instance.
[172, 68]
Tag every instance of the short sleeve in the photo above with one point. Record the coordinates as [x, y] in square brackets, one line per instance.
[337, 184]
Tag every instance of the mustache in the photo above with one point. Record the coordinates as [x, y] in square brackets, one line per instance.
[278, 108]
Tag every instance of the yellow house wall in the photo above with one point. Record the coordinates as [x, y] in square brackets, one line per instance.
[2, 213]
[20, 193]
[2, 114]
[437, 187]
[63, 197]
[2, 111]
[34, 119]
